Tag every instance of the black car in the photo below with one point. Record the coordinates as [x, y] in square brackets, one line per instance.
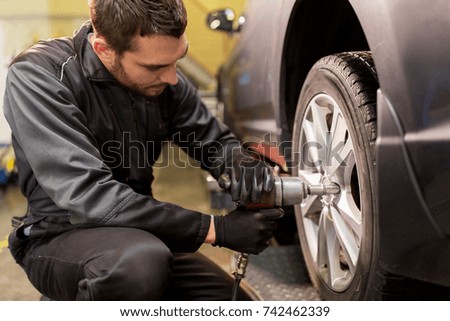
[357, 93]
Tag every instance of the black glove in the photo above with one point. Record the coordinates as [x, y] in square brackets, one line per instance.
[247, 231]
[249, 178]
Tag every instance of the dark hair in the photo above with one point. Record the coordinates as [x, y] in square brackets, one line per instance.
[119, 21]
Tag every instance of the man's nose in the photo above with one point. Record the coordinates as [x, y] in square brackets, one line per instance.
[169, 76]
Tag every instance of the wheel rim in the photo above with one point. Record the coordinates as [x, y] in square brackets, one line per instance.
[331, 223]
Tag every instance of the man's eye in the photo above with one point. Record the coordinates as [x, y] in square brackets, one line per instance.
[153, 69]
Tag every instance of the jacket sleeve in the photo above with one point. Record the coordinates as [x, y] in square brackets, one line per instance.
[52, 132]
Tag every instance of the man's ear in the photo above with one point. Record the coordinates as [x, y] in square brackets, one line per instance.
[103, 50]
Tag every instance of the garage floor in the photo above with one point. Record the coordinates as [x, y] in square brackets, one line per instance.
[277, 274]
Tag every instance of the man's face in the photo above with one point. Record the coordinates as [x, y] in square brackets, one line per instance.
[151, 65]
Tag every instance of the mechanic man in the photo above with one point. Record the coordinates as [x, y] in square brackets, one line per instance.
[89, 115]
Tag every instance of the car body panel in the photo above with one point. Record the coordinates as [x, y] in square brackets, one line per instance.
[411, 52]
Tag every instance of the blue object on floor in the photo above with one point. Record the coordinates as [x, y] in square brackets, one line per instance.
[3, 177]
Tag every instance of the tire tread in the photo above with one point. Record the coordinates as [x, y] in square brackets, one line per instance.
[358, 69]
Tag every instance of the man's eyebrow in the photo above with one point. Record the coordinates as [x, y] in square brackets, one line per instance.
[156, 66]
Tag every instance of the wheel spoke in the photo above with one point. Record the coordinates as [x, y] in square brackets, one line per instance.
[308, 203]
[311, 226]
[310, 210]
[343, 174]
[338, 277]
[348, 242]
[319, 119]
[329, 253]
[310, 149]
[332, 251]
[309, 177]
[338, 128]
[340, 157]
[322, 246]
[350, 213]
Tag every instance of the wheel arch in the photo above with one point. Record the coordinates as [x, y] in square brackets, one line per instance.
[315, 29]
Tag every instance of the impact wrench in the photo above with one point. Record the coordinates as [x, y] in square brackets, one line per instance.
[287, 190]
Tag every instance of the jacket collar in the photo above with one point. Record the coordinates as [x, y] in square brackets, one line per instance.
[93, 68]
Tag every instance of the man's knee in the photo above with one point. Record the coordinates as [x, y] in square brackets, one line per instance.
[139, 269]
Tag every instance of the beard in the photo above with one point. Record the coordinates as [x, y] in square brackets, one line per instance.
[122, 77]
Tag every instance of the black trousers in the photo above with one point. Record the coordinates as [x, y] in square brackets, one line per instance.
[113, 263]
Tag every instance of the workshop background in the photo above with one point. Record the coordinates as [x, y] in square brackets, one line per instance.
[23, 23]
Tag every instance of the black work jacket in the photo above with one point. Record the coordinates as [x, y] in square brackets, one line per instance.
[85, 145]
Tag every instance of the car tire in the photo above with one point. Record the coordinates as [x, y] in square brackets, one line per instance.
[333, 142]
